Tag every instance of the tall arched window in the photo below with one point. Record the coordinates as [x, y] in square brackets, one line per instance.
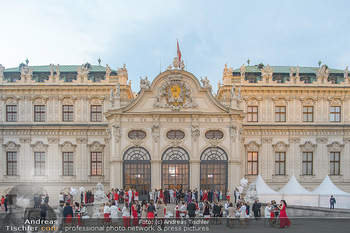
[137, 170]
[175, 168]
[214, 169]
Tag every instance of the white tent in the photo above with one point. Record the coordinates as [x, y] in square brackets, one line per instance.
[328, 188]
[295, 194]
[265, 193]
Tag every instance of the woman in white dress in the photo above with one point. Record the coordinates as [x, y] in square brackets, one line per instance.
[267, 214]
[242, 212]
[151, 196]
[114, 214]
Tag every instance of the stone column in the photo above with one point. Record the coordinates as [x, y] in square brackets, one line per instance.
[156, 174]
[294, 158]
[234, 174]
[195, 174]
[320, 156]
[116, 174]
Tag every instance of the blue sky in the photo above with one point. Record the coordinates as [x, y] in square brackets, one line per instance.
[143, 33]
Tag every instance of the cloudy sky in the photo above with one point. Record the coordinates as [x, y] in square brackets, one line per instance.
[143, 34]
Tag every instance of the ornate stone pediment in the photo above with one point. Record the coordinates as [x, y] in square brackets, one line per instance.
[252, 146]
[280, 146]
[10, 146]
[252, 100]
[39, 146]
[67, 146]
[308, 146]
[280, 101]
[67, 99]
[96, 100]
[335, 147]
[334, 101]
[10, 99]
[175, 94]
[308, 100]
[95, 146]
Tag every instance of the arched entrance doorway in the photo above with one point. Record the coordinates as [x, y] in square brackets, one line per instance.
[214, 169]
[175, 168]
[137, 170]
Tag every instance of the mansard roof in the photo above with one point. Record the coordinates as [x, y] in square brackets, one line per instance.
[286, 70]
[63, 69]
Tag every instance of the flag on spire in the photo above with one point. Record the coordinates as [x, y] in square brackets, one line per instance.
[178, 51]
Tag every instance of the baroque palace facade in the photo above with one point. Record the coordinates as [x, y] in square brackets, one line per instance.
[73, 126]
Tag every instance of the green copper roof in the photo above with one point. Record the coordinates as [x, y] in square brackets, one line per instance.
[63, 68]
[285, 70]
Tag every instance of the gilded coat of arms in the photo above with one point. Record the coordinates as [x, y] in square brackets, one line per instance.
[175, 94]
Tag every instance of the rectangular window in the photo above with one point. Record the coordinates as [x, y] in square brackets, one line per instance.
[67, 113]
[308, 113]
[335, 163]
[280, 163]
[335, 114]
[280, 114]
[11, 163]
[11, 113]
[39, 113]
[252, 113]
[96, 163]
[67, 163]
[39, 163]
[252, 163]
[307, 163]
[96, 113]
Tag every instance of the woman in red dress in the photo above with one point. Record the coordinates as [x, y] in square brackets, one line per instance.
[161, 195]
[284, 221]
[205, 196]
[135, 220]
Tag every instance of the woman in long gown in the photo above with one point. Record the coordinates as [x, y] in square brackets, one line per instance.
[284, 221]
[135, 221]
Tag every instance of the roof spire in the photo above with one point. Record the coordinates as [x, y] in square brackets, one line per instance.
[99, 61]
[319, 63]
[248, 61]
[27, 61]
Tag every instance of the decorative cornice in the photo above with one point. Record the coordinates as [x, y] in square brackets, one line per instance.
[96, 146]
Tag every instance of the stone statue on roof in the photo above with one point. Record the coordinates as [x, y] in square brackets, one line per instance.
[242, 70]
[182, 65]
[117, 90]
[206, 83]
[2, 68]
[58, 70]
[145, 83]
[239, 94]
[297, 74]
[26, 70]
[346, 72]
[233, 91]
[108, 70]
[111, 95]
[169, 67]
[52, 69]
[122, 71]
[291, 71]
[267, 70]
[176, 62]
[225, 70]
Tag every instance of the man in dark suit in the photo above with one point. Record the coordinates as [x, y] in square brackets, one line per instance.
[191, 208]
[256, 209]
[196, 194]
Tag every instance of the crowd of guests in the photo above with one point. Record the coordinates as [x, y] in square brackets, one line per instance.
[124, 205]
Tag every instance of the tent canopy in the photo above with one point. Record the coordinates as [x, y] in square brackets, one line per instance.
[327, 187]
[294, 187]
[262, 187]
